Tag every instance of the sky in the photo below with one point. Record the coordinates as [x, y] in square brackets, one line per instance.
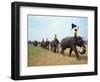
[40, 27]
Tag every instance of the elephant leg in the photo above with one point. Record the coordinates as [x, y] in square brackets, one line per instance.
[62, 51]
[57, 49]
[48, 47]
[76, 52]
[70, 51]
[51, 48]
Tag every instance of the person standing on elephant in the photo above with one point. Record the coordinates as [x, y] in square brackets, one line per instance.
[55, 38]
[75, 34]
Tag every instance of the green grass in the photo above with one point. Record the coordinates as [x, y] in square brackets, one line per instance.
[35, 51]
[38, 56]
[35, 54]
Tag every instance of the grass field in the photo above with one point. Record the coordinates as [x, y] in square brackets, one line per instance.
[41, 57]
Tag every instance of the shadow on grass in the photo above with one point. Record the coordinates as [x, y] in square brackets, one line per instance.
[82, 57]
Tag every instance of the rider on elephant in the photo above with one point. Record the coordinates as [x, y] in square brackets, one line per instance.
[55, 38]
[75, 34]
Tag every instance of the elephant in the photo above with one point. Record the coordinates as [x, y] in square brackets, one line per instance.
[45, 44]
[54, 45]
[35, 43]
[69, 42]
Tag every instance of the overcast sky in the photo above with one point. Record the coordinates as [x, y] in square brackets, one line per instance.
[47, 26]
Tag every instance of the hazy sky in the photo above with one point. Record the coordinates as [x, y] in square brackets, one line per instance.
[47, 26]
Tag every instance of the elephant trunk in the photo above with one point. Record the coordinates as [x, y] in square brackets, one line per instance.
[83, 45]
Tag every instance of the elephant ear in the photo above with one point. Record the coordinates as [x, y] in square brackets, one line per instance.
[80, 39]
[85, 42]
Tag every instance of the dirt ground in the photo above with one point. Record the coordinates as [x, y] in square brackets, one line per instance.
[43, 57]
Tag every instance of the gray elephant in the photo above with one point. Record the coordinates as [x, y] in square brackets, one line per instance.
[69, 42]
[45, 44]
[54, 45]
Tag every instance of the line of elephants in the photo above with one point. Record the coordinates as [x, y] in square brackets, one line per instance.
[67, 42]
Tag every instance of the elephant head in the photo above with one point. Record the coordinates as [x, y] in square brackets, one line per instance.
[80, 42]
